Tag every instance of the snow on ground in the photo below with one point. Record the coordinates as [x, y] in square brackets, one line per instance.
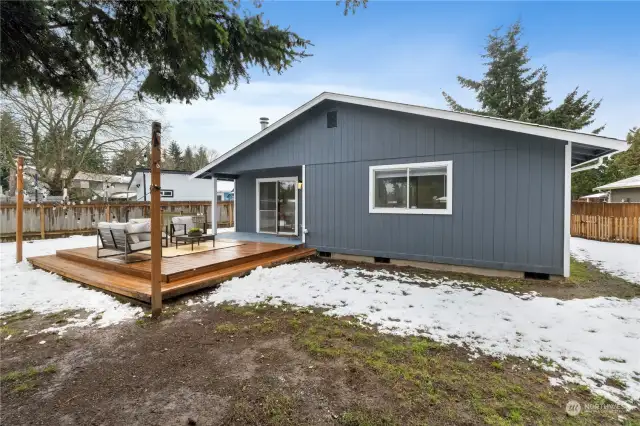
[619, 259]
[22, 287]
[592, 338]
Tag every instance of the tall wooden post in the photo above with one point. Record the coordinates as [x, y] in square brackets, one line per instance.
[156, 222]
[42, 221]
[19, 207]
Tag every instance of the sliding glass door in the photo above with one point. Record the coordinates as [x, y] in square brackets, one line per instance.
[277, 205]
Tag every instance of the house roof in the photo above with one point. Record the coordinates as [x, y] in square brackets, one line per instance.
[632, 182]
[586, 146]
[162, 172]
[222, 186]
[598, 195]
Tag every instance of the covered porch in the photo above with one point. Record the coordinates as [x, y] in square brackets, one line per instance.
[269, 205]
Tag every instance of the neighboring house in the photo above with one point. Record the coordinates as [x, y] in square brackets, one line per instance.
[600, 197]
[176, 186]
[381, 181]
[89, 185]
[113, 187]
[623, 191]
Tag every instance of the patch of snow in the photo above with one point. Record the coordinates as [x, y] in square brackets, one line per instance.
[619, 259]
[575, 334]
[556, 381]
[22, 288]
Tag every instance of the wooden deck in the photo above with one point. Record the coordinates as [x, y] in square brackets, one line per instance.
[180, 275]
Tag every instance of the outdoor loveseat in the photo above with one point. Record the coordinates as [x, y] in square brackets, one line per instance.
[125, 238]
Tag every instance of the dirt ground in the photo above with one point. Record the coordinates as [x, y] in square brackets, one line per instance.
[261, 365]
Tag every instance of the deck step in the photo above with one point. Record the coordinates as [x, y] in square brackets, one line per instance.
[106, 279]
[186, 285]
[220, 266]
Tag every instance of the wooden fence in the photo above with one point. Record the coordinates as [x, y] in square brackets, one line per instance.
[615, 222]
[49, 220]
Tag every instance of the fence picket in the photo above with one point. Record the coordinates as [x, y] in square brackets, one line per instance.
[617, 222]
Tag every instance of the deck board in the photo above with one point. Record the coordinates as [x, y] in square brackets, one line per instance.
[181, 274]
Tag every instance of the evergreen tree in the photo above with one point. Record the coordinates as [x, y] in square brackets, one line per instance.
[621, 166]
[12, 144]
[511, 89]
[182, 49]
[188, 160]
[175, 154]
[203, 157]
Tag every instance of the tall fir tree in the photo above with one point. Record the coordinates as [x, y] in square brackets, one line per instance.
[12, 144]
[511, 89]
[621, 166]
[188, 160]
[174, 153]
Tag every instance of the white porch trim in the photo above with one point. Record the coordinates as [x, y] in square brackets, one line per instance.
[566, 267]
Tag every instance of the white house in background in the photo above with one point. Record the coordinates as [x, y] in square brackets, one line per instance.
[176, 186]
[101, 185]
[623, 191]
[87, 185]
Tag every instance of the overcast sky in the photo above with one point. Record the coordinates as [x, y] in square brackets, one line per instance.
[412, 51]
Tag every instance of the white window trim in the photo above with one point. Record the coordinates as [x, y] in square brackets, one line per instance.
[293, 179]
[432, 164]
[163, 193]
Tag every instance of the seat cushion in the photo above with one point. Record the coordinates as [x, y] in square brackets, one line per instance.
[135, 228]
[140, 220]
[180, 221]
[141, 245]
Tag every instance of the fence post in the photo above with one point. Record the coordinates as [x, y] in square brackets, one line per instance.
[41, 221]
[108, 213]
[19, 207]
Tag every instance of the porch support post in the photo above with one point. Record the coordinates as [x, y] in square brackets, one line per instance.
[214, 207]
[304, 213]
[567, 210]
[235, 196]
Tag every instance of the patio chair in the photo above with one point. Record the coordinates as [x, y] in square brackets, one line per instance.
[180, 225]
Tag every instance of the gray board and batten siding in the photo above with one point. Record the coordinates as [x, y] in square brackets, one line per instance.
[508, 188]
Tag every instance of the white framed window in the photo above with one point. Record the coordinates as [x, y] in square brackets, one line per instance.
[413, 188]
[166, 193]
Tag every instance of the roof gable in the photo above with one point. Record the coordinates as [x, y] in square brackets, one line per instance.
[589, 145]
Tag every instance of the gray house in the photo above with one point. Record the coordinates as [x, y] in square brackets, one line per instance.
[623, 191]
[373, 180]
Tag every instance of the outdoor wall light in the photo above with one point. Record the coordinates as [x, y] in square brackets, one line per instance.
[299, 185]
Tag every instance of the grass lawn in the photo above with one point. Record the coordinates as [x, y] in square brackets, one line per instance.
[271, 366]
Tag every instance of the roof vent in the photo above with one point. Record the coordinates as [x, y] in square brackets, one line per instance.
[264, 122]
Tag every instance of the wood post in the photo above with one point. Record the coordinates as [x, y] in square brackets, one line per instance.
[108, 214]
[156, 222]
[19, 207]
[42, 221]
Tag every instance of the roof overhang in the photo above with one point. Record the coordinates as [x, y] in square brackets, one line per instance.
[586, 145]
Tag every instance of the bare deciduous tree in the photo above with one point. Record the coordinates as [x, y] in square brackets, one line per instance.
[67, 135]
